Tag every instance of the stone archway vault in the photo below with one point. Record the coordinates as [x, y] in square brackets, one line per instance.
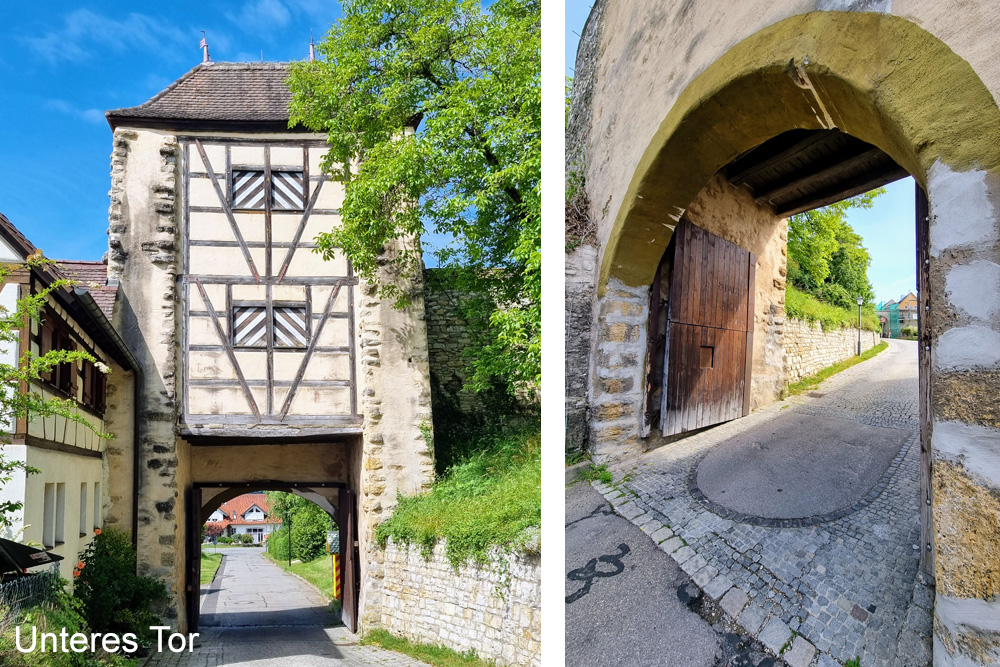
[892, 84]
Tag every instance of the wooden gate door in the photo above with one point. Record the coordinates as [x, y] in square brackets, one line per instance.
[192, 584]
[709, 337]
[349, 559]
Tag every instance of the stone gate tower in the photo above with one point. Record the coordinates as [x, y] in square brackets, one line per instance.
[263, 365]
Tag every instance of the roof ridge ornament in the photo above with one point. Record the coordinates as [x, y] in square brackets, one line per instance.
[203, 44]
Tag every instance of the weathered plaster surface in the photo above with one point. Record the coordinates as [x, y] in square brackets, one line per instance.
[962, 216]
[967, 348]
[396, 457]
[142, 247]
[977, 448]
[967, 632]
[974, 289]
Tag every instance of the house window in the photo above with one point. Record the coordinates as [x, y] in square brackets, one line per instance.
[49, 516]
[288, 190]
[94, 387]
[60, 529]
[84, 528]
[289, 328]
[55, 335]
[98, 519]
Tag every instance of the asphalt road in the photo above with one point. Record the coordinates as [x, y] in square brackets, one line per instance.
[621, 594]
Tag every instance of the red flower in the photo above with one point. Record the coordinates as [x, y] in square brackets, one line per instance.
[79, 565]
[76, 573]
[97, 531]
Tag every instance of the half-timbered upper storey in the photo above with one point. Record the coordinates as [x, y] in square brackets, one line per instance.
[74, 318]
[267, 323]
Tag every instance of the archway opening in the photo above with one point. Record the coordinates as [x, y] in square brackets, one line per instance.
[273, 554]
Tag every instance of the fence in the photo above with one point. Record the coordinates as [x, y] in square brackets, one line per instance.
[19, 595]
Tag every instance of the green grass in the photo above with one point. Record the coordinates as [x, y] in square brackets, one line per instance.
[209, 565]
[489, 499]
[600, 473]
[802, 306]
[317, 572]
[805, 384]
[434, 655]
[853, 662]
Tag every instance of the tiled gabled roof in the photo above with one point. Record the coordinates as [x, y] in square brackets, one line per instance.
[240, 505]
[89, 274]
[216, 93]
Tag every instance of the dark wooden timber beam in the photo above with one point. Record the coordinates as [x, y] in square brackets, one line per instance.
[844, 167]
[844, 190]
[746, 167]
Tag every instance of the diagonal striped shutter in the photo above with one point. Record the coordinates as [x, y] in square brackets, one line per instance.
[249, 326]
[248, 190]
[288, 191]
[290, 327]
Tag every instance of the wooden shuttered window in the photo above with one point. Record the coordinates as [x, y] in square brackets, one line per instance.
[68, 378]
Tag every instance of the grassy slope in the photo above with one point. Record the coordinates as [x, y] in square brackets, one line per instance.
[803, 306]
[487, 500]
[209, 565]
[317, 572]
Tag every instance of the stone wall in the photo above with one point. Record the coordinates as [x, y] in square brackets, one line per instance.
[142, 245]
[493, 610]
[581, 272]
[809, 349]
[447, 339]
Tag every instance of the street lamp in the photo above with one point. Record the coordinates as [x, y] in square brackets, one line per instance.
[860, 301]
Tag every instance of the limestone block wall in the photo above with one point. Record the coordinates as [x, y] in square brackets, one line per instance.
[494, 610]
[142, 255]
[396, 456]
[809, 349]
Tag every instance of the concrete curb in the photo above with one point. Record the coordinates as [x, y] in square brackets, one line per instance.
[768, 630]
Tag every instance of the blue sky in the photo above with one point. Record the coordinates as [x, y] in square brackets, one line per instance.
[63, 64]
[887, 229]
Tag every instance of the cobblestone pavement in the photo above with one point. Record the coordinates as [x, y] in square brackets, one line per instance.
[842, 588]
[257, 615]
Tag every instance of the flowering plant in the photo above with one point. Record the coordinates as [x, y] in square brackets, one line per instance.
[115, 599]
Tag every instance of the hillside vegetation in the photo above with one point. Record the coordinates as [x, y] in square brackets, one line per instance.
[828, 267]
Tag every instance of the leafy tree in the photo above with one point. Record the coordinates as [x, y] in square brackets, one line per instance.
[310, 523]
[432, 110]
[213, 530]
[29, 369]
[826, 257]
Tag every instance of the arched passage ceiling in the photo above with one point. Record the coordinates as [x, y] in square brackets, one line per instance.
[876, 77]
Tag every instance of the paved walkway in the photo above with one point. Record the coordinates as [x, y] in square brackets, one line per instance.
[621, 594]
[829, 570]
[254, 614]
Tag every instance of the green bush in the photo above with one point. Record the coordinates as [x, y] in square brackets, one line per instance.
[277, 544]
[245, 538]
[116, 599]
[225, 540]
[908, 332]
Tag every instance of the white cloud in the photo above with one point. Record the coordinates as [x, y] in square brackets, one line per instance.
[83, 33]
[261, 17]
[87, 115]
